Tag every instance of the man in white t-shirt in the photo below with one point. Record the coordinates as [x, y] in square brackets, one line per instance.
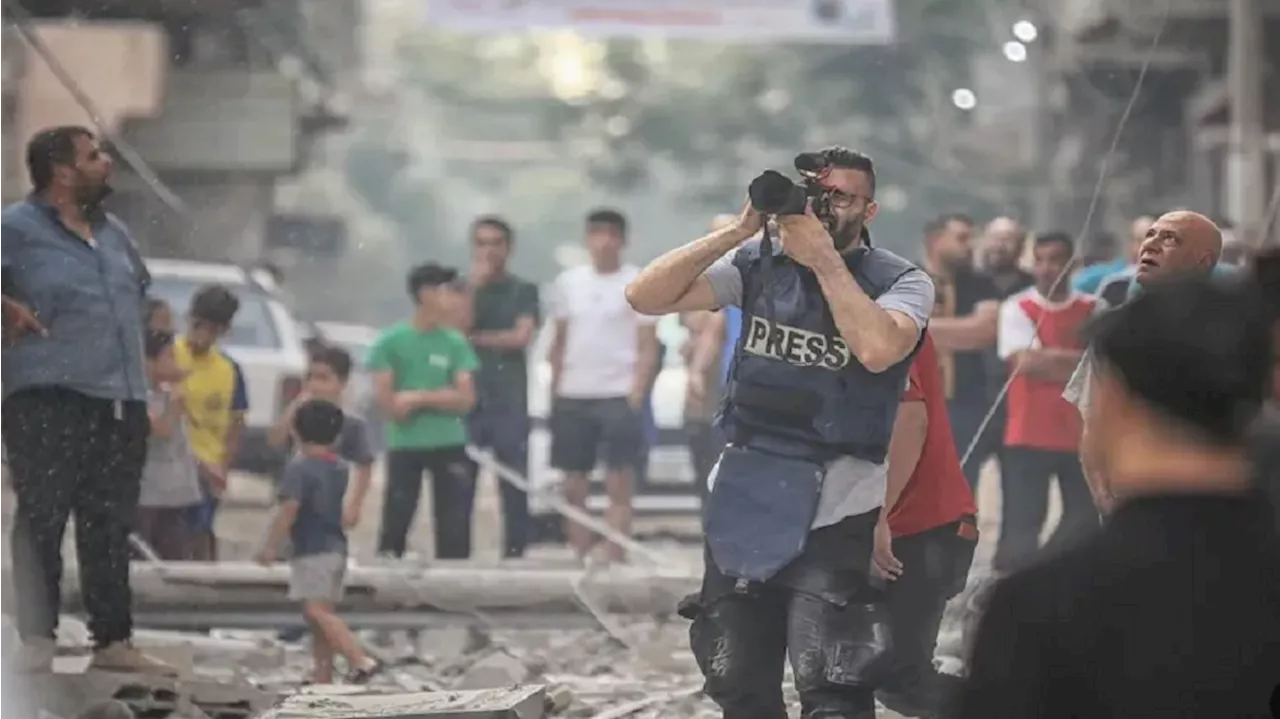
[603, 355]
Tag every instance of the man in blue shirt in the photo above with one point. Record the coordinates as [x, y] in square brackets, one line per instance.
[74, 412]
[1091, 278]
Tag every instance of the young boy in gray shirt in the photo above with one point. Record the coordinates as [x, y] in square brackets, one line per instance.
[311, 496]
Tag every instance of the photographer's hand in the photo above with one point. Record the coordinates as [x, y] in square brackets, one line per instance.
[749, 221]
[806, 240]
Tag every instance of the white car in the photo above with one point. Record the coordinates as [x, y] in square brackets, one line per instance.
[264, 340]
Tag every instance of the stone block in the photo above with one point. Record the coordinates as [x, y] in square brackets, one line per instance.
[523, 702]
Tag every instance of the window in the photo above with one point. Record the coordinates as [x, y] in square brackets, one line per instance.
[254, 326]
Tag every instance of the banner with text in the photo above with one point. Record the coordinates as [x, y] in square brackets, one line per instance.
[855, 22]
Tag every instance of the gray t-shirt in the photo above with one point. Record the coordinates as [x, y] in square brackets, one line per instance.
[852, 486]
[353, 444]
[169, 477]
[319, 486]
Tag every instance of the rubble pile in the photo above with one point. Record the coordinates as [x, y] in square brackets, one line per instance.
[641, 669]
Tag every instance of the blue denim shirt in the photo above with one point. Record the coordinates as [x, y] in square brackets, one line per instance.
[90, 299]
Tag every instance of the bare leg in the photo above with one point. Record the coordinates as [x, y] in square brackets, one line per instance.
[322, 654]
[579, 537]
[333, 631]
[617, 484]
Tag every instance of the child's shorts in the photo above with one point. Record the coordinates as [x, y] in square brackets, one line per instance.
[317, 577]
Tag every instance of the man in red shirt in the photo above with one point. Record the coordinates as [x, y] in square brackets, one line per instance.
[1039, 338]
[929, 512]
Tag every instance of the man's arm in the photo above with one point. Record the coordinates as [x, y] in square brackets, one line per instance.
[974, 331]
[709, 345]
[293, 487]
[1077, 393]
[1018, 343]
[516, 338]
[879, 332]
[384, 392]
[910, 429]
[461, 396]
[235, 430]
[647, 352]
[555, 356]
[526, 327]
[676, 281]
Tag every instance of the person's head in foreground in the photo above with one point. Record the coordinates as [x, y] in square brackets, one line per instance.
[317, 424]
[1178, 243]
[1181, 373]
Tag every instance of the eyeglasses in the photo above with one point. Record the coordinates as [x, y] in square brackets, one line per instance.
[841, 200]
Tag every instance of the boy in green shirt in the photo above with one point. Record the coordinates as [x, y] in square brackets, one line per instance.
[423, 380]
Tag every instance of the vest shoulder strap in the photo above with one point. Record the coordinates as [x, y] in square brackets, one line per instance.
[881, 268]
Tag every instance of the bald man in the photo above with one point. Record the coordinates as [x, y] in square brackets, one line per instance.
[1000, 249]
[1176, 244]
[1090, 279]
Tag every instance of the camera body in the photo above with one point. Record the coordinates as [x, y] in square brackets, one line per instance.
[773, 193]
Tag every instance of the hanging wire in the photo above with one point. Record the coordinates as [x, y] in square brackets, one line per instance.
[1088, 217]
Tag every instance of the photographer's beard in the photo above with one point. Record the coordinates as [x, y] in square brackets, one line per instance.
[847, 232]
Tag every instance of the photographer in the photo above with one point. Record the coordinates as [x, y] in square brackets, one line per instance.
[830, 325]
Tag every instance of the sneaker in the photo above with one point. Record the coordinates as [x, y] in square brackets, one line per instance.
[34, 656]
[362, 675]
[124, 658]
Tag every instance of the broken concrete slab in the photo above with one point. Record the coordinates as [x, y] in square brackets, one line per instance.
[498, 669]
[248, 587]
[69, 694]
[447, 644]
[525, 702]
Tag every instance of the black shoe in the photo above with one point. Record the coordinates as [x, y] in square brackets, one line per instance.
[292, 634]
[362, 676]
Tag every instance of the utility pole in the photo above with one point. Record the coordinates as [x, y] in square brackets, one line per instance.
[1246, 201]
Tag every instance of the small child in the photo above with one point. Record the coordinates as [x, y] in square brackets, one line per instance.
[328, 372]
[159, 315]
[170, 484]
[312, 491]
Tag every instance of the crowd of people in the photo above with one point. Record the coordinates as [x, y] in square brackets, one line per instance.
[1176, 368]
[841, 404]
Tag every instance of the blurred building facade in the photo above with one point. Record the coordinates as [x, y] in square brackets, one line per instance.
[1205, 130]
[221, 100]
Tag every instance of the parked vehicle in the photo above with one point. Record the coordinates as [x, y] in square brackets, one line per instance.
[264, 340]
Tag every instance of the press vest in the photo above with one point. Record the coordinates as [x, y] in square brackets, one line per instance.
[795, 387]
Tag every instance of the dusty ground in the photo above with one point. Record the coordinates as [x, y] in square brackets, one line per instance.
[588, 670]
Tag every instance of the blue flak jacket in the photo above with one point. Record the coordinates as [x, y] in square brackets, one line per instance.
[795, 388]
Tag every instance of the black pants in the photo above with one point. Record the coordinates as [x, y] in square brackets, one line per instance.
[453, 492]
[504, 429]
[935, 565]
[72, 453]
[820, 612]
[1024, 483]
[966, 417]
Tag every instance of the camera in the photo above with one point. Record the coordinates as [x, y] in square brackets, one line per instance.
[773, 193]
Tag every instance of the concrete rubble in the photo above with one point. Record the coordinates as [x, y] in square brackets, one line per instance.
[638, 668]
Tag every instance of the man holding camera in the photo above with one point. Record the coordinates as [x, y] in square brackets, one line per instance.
[830, 325]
